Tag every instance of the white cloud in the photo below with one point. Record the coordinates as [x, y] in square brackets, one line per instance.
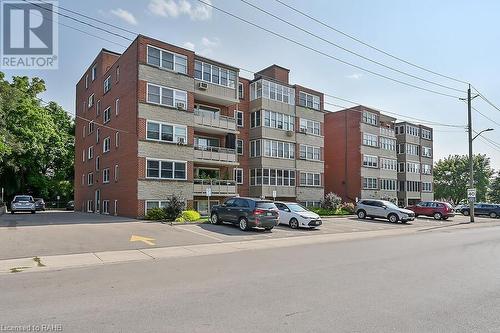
[175, 8]
[355, 76]
[189, 46]
[209, 43]
[125, 16]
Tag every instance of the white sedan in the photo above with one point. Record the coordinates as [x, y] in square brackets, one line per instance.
[296, 216]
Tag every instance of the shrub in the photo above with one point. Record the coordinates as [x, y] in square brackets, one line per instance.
[331, 201]
[156, 214]
[174, 208]
[349, 207]
[180, 219]
[191, 215]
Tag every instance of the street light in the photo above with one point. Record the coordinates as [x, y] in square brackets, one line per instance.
[471, 165]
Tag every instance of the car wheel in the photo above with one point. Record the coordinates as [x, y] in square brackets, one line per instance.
[214, 219]
[361, 214]
[493, 215]
[465, 212]
[393, 218]
[243, 223]
[438, 216]
[294, 223]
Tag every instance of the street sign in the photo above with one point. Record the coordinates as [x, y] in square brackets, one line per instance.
[208, 191]
[274, 194]
[471, 193]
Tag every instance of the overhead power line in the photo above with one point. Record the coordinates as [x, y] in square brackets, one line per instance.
[347, 50]
[486, 100]
[326, 54]
[368, 45]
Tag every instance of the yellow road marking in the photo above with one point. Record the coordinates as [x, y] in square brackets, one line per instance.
[146, 240]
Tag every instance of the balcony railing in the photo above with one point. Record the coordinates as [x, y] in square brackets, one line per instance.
[218, 187]
[218, 154]
[219, 122]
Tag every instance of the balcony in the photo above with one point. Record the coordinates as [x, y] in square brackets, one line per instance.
[215, 93]
[215, 155]
[219, 187]
[214, 124]
[384, 131]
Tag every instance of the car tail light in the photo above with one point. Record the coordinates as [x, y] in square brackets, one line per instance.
[259, 212]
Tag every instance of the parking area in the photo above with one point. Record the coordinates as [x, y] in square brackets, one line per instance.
[51, 233]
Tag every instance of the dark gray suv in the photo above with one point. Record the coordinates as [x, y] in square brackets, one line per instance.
[247, 213]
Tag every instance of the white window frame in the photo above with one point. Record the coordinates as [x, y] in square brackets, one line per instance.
[241, 92]
[370, 183]
[426, 151]
[90, 179]
[97, 163]
[388, 164]
[117, 139]
[387, 184]
[231, 76]
[175, 97]
[240, 146]
[236, 171]
[370, 140]
[107, 84]
[239, 115]
[175, 137]
[86, 81]
[105, 207]
[117, 73]
[173, 168]
[90, 206]
[426, 134]
[262, 89]
[106, 144]
[106, 115]
[370, 118]
[305, 126]
[305, 151]
[310, 176]
[287, 121]
[105, 175]
[117, 172]
[387, 143]
[370, 161]
[315, 100]
[90, 152]
[174, 60]
[93, 72]
[117, 106]
[90, 101]
[279, 148]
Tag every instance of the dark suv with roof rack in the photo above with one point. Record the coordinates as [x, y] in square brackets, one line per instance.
[247, 213]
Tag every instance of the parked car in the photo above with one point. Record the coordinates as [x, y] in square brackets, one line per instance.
[247, 213]
[436, 209]
[70, 205]
[490, 210]
[383, 209]
[296, 216]
[23, 203]
[39, 204]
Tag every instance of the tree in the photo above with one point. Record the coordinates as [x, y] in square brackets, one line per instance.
[36, 142]
[451, 177]
[494, 193]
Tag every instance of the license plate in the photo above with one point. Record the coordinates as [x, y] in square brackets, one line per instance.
[269, 214]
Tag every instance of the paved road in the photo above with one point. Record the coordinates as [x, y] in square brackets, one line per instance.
[52, 233]
[444, 280]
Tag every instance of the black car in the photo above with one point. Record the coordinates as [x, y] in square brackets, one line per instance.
[490, 210]
[70, 205]
[247, 213]
[39, 204]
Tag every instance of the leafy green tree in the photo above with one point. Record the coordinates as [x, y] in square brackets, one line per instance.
[451, 177]
[494, 193]
[36, 141]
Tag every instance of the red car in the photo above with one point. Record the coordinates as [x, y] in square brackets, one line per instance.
[437, 209]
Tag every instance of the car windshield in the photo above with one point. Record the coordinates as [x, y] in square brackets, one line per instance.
[265, 205]
[22, 198]
[390, 205]
[296, 208]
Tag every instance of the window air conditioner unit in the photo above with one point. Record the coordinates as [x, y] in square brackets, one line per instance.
[303, 130]
[181, 106]
[289, 133]
[181, 141]
[202, 85]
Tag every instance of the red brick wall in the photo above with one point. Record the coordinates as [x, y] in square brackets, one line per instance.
[244, 105]
[278, 73]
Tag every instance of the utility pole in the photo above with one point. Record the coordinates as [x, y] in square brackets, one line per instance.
[471, 157]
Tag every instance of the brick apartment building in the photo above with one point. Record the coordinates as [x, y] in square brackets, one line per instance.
[369, 155]
[160, 120]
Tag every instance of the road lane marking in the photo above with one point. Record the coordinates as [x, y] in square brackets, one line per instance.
[201, 234]
[143, 239]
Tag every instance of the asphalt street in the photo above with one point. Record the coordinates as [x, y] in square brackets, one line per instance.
[439, 280]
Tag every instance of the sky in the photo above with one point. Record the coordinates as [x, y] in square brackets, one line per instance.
[453, 37]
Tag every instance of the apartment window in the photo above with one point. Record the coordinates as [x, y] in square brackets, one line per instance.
[117, 139]
[412, 186]
[370, 183]
[107, 84]
[401, 148]
[117, 73]
[412, 130]
[168, 60]
[426, 134]
[97, 135]
[426, 151]
[255, 119]
[163, 169]
[388, 184]
[166, 96]
[310, 126]
[90, 178]
[105, 175]
[91, 101]
[308, 100]
[387, 144]
[388, 164]
[90, 206]
[370, 118]
[255, 148]
[117, 106]
[401, 167]
[105, 207]
[98, 108]
[271, 90]
[214, 74]
[90, 152]
[426, 169]
[239, 118]
[241, 92]
[117, 171]
[97, 163]
[239, 146]
[370, 161]
[310, 153]
[278, 120]
[238, 176]
[271, 177]
[278, 149]
[91, 127]
[107, 114]
[426, 187]
[94, 72]
[412, 167]
[86, 81]
[412, 149]
[106, 144]
[310, 179]
[166, 132]
[370, 140]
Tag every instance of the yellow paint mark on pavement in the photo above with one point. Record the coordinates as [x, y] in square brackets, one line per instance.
[146, 240]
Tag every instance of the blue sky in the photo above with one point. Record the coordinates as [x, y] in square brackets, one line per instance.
[453, 37]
